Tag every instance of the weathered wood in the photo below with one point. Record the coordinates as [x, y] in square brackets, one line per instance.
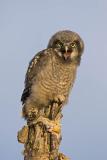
[42, 134]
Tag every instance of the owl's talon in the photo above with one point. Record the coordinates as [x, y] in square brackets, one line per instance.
[59, 99]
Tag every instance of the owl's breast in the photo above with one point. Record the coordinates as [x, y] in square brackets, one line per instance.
[55, 79]
[65, 78]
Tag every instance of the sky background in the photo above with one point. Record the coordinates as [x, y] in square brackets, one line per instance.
[25, 28]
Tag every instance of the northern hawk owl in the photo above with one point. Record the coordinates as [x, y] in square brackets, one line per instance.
[51, 73]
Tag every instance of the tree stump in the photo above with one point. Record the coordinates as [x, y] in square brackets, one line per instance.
[42, 134]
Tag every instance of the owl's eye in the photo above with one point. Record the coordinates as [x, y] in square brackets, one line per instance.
[73, 45]
[58, 44]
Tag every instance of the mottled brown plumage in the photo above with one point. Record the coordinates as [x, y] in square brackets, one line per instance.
[51, 73]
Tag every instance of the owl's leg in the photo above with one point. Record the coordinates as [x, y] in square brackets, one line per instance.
[52, 126]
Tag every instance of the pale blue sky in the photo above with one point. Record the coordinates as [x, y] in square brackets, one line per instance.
[25, 28]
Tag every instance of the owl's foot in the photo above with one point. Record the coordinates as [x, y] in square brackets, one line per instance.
[51, 126]
[59, 99]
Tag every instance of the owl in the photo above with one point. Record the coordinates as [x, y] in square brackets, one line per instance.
[51, 73]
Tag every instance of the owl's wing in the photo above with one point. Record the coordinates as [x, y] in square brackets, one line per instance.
[33, 69]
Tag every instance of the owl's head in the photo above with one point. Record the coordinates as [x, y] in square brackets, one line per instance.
[67, 45]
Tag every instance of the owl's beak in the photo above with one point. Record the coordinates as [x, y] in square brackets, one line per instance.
[66, 49]
[67, 53]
